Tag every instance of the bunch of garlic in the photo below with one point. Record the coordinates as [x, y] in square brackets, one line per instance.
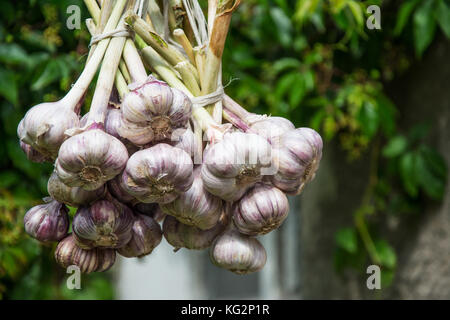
[147, 161]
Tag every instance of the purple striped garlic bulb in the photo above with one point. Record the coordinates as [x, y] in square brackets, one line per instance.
[158, 174]
[47, 222]
[72, 196]
[146, 236]
[237, 253]
[235, 164]
[103, 224]
[297, 156]
[150, 209]
[271, 128]
[152, 111]
[261, 210]
[195, 207]
[118, 190]
[90, 159]
[32, 154]
[67, 253]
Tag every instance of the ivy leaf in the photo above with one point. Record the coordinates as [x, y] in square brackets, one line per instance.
[408, 173]
[395, 147]
[386, 253]
[443, 17]
[8, 86]
[424, 27]
[347, 239]
[403, 16]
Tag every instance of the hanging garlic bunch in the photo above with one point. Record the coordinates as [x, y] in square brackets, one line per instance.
[152, 110]
[103, 224]
[261, 210]
[238, 253]
[235, 164]
[72, 196]
[146, 236]
[47, 222]
[158, 174]
[297, 156]
[67, 253]
[195, 207]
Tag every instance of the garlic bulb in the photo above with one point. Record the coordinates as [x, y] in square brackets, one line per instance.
[103, 224]
[158, 174]
[89, 159]
[32, 154]
[146, 236]
[117, 189]
[235, 164]
[150, 209]
[152, 111]
[47, 222]
[238, 253]
[297, 156]
[271, 128]
[43, 127]
[72, 196]
[261, 210]
[185, 140]
[180, 235]
[195, 207]
[67, 253]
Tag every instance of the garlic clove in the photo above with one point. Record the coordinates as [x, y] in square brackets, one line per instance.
[47, 222]
[158, 174]
[103, 224]
[32, 154]
[118, 190]
[146, 236]
[298, 156]
[89, 159]
[72, 196]
[237, 253]
[195, 207]
[67, 253]
[261, 210]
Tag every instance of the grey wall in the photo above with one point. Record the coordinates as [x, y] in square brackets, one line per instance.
[423, 241]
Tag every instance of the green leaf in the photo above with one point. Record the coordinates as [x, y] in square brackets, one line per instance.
[8, 86]
[434, 161]
[285, 64]
[443, 17]
[347, 239]
[433, 185]
[386, 253]
[54, 70]
[368, 117]
[424, 27]
[283, 24]
[395, 147]
[285, 84]
[403, 16]
[408, 173]
[13, 54]
[357, 12]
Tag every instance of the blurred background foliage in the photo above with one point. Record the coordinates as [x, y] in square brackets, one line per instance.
[313, 61]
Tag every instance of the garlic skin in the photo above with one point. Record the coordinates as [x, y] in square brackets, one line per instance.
[195, 207]
[150, 209]
[72, 196]
[89, 159]
[146, 236]
[152, 111]
[67, 253]
[158, 174]
[180, 235]
[117, 189]
[43, 127]
[297, 155]
[103, 224]
[32, 154]
[237, 253]
[271, 128]
[261, 210]
[47, 222]
[235, 164]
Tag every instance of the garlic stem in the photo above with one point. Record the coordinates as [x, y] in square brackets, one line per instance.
[181, 38]
[79, 88]
[105, 80]
[132, 62]
[120, 81]
[235, 120]
[235, 108]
